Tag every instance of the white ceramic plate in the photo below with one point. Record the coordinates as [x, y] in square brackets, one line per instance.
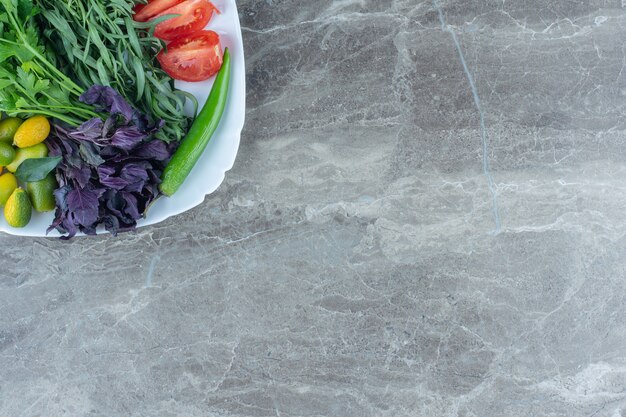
[219, 155]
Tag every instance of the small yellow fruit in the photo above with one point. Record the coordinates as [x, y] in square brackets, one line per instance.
[37, 151]
[33, 131]
[18, 209]
[8, 184]
[8, 127]
[7, 154]
[42, 193]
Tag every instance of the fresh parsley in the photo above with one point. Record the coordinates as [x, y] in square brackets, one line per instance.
[30, 80]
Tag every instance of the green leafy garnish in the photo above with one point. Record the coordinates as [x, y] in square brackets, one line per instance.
[30, 80]
[97, 42]
[36, 169]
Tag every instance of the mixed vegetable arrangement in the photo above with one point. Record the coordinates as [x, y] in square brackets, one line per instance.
[92, 125]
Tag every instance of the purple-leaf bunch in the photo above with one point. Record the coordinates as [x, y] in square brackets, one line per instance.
[111, 167]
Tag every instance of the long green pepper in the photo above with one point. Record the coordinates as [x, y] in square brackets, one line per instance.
[202, 129]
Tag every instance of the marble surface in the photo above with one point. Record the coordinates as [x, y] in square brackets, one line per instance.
[426, 218]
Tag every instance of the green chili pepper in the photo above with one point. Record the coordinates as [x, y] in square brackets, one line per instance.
[192, 146]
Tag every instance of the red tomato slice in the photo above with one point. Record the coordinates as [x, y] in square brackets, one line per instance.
[195, 57]
[194, 16]
[153, 8]
[138, 7]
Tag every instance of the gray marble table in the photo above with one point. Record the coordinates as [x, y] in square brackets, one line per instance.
[426, 218]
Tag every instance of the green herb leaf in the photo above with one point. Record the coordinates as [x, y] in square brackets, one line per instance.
[6, 52]
[29, 70]
[98, 42]
[36, 169]
[4, 83]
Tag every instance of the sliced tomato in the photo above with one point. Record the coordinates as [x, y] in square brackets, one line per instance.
[194, 16]
[153, 8]
[195, 57]
[139, 7]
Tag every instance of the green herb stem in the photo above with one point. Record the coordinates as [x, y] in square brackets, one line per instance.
[72, 121]
[73, 87]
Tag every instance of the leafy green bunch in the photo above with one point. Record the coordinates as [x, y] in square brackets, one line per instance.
[97, 42]
[51, 51]
[30, 81]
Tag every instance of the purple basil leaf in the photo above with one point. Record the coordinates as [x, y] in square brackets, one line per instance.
[109, 152]
[68, 227]
[134, 171]
[84, 204]
[60, 196]
[115, 183]
[74, 160]
[146, 125]
[89, 131]
[155, 149]
[116, 205]
[61, 222]
[106, 99]
[135, 187]
[59, 130]
[109, 126]
[131, 205]
[105, 171]
[61, 179]
[136, 176]
[89, 153]
[55, 148]
[127, 138]
[81, 175]
[58, 219]
[70, 147]
[107, 178]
